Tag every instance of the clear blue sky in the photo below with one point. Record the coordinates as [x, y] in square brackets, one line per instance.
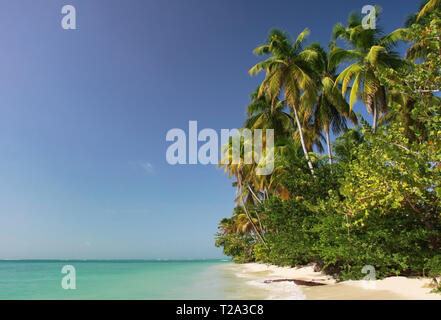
[84, 114]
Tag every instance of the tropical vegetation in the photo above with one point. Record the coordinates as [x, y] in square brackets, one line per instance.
[373, 196]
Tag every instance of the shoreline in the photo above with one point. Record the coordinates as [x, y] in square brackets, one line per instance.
[392, 288]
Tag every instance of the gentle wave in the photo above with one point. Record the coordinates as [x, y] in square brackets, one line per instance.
[280, 290]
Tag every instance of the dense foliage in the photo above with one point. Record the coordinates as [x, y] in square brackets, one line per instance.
[374, 199]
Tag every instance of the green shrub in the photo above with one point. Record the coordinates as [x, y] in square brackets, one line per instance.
[238, 246]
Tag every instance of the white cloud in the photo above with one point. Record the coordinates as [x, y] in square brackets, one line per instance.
[146, 166]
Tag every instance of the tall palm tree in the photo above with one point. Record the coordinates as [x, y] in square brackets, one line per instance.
[368, 52]
[288, 72]
[331, 109]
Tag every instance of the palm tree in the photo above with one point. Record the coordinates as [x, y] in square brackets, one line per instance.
[368, 53]
[263, 115]
[432, 5]
[331, 109]
[288, 161]
[346, 143]
[243, 224]
[413, 18]
[245, 175]
[312, 135]
[287, 71]
[238, 223]
[419, 48]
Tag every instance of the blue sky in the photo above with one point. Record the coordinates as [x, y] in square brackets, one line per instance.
[84, 114]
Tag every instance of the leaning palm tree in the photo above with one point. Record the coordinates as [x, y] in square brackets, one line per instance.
[245, 175]
[263, 115]
[331, 109]
[242, 224]
[288, 72]
[238, 223]
[368, 53]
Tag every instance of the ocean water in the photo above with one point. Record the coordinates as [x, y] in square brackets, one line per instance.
[134, 279]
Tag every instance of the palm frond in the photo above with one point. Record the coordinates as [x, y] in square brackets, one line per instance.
[339, 55]
[354, 91]
[347, 75]
[340, 32]
[297, 47]
[429, 7]
[374, 52]
[392, 38]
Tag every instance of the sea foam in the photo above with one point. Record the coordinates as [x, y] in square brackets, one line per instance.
[279, 290]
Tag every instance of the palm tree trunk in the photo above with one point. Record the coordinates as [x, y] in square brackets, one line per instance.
[302, 140]
[254, 195]
[258, 216]
[375, 115]
[252, 223]
[239, 192]
[328, 142]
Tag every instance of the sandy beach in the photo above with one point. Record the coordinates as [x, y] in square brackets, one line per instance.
[393, 288]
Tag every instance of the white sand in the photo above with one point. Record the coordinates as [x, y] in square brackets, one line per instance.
[394, 288]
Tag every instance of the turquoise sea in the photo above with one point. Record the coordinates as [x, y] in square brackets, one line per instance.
[122, 279]
[125, 279]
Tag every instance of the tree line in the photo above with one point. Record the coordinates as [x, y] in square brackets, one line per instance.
[372, 195]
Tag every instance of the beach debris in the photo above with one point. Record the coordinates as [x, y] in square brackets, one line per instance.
[297, 282]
